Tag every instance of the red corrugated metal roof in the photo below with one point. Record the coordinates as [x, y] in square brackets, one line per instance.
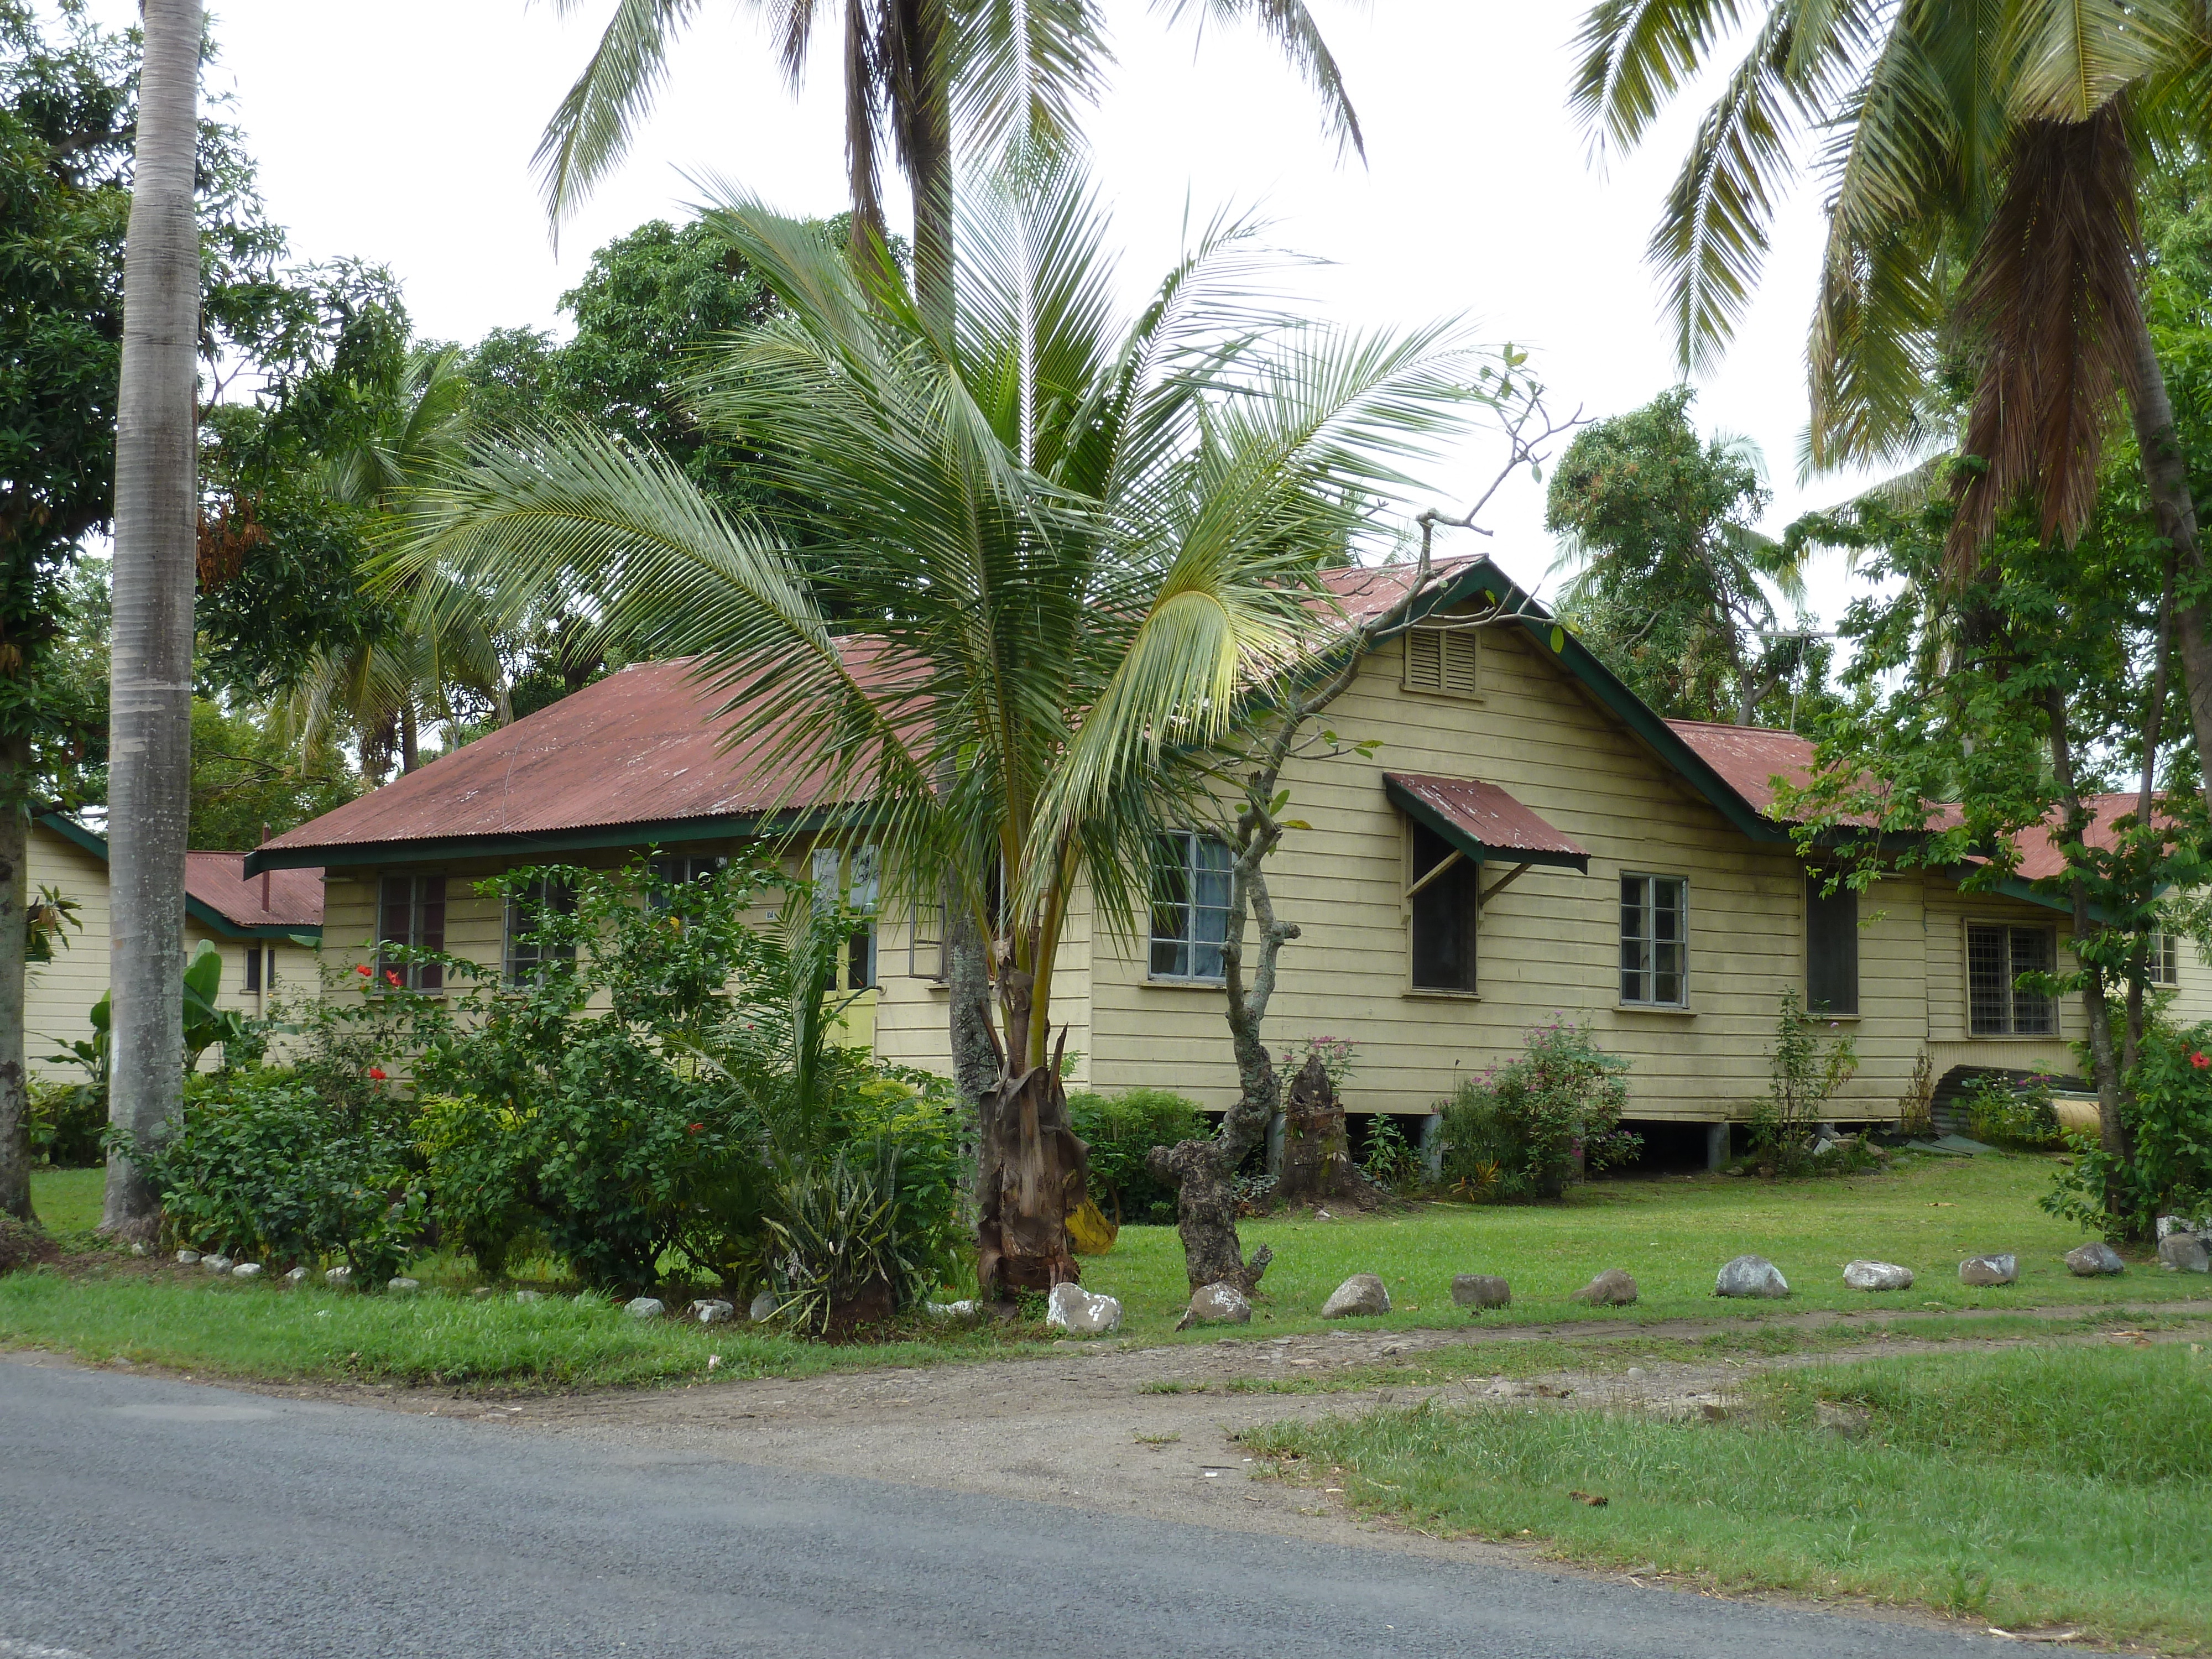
[642, 746]
[1487, 814]
[218, 881]
[1749, 757]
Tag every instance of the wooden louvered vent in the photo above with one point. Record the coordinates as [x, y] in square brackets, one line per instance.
[1442, 660]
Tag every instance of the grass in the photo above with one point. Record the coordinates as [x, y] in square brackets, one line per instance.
[1672, 1235]
[2025, 1487]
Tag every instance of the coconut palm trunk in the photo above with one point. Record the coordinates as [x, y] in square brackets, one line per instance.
[2165, 480]
[156, 516]
[15, 1094]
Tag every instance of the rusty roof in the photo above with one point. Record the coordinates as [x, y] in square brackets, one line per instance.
[1750, 758]
[1484, 816]
[641, 755]
[288, 899]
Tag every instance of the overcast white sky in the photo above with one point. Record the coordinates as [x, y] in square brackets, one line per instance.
[403, 133]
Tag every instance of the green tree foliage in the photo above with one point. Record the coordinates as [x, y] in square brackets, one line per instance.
[1672, 580]
[68, 103]
[249, 778]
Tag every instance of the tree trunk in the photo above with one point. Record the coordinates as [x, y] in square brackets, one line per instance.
[2165, 478]
[15, 1094]
[1316, 1148]
[410, 740]
[1035, 1173]
[150, 729]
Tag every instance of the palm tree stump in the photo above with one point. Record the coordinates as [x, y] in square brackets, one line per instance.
[1316, 1147]
[1035, 1173]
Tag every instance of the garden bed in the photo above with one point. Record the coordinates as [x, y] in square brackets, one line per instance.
[1671, 1235]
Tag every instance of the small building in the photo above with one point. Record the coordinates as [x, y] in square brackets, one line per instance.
[267, 926]
[1524, 841]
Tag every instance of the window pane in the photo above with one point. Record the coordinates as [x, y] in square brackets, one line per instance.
[1989, 984]
[1832, 948]
[1169, 957]
[2034, 950]
[1444, 917]
[253, 968]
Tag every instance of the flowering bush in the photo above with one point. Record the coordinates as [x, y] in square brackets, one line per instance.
[2008, 1113]
[2166, 1113]
[1525, 1129]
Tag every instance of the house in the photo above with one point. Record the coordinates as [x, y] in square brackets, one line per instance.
[1526, 841]
[266, 927]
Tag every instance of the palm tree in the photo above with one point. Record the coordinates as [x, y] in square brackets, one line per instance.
[916, 71]
[1081, 571]
[413, 421]
[1981, 158]
[157, 521]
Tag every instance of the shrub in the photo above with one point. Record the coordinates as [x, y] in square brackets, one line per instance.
[67, 1121]
[263, 1166]
[1524, 1130]
[2008, 1113]
[1806, 1068]
[1392, 1162]
[858, 1239]
[667, 1086]
[2167, 1112]
[1120, 1130]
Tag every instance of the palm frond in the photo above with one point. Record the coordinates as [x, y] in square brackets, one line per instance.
[2071, 58]
[591, 130]
[1292, 27]
[2051, 296]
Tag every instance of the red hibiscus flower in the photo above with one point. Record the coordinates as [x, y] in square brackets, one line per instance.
[2199, 1060]
[693, 1129]
[364, 970]
[377, 1072]
[392, 975]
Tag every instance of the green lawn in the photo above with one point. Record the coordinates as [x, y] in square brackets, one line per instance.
[2027, 1488]
[68, 1200]
[1671, 1235]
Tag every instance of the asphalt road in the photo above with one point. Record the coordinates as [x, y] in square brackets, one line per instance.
[147, 1517]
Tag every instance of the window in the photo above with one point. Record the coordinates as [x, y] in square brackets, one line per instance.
[527, 907]
[1190, 905]
[1832, 947]
[861, 887]
[1654, 926]
[411, 913]
[2165, 958]
[253, 970]
[1995, 958]
[1444, 660]
[1445, 896]
[679, 871]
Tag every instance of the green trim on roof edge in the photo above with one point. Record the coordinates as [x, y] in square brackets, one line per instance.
[534, 844]
[300, 933]
[1483, 577]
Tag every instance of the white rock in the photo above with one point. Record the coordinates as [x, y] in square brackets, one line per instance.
[530, 1295]
[1079, 1313]
[297, 1276]
[1877, 1276]
[645, 1307]
[402, 1286]
[713, 1362]
[483, 1293]
[216, 1264]
[763, 1308]
[1219, 1305]
[247, 1270]
[2094, 1259]
[187, 1257]
[953, 1311]
[340, 1276]
[1637, 1373]
[2185, 1253]
[1361, 1294]
[2001, 1268]
[1751, 1276]
[712, 1310]
[136, 1249]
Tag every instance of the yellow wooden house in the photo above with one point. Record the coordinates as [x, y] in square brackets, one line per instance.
[1524, 841]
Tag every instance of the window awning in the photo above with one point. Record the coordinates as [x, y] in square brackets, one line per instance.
[1482, 821]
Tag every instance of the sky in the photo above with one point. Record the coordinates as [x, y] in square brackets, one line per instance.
[403, 135]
